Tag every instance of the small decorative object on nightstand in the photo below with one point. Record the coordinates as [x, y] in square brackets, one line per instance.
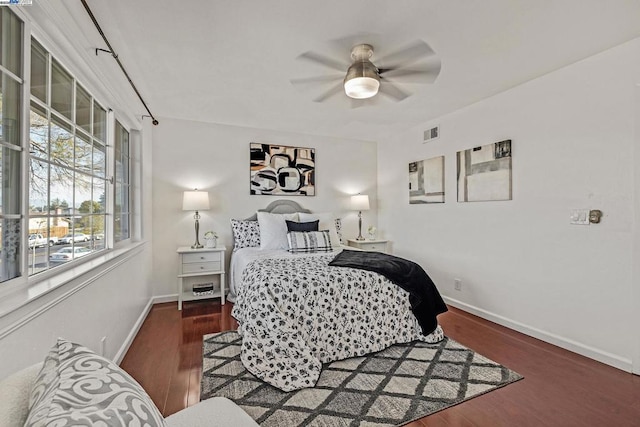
[196, 270]
[210, 239]
[369, 245]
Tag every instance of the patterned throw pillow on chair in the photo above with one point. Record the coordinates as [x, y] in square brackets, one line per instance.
[78, 387]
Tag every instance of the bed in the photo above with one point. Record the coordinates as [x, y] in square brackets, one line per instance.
[295, 312]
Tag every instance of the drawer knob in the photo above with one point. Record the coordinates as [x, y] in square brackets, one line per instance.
[201, 268]
[201, 257]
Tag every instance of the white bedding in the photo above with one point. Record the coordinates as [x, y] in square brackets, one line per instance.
[295, 313]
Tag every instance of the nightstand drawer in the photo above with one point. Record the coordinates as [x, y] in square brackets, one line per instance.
[379, 247]
[201, 257]
[369, 245]
[201, 267]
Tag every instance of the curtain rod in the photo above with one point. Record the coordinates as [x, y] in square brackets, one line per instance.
[115, 56]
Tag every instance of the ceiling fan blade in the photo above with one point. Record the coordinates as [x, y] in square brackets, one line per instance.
[412, 53]
[316, 79]
[392, 91]
[369, 102]
[325, 60]
[356, 103]
[331, 92]
[418, 75]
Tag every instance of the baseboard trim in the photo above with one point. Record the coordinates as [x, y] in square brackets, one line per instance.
[568, 344]
[159, 299]
[132, 334]
[136, 327]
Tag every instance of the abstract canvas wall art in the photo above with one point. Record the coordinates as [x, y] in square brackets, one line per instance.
[426, 181]
[484, 173]
[280, 170]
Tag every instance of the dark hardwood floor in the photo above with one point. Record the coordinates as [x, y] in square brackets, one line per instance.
[560, 388]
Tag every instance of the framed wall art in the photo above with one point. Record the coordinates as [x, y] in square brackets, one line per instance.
[281, 170]
[484, 173]
[426, 181]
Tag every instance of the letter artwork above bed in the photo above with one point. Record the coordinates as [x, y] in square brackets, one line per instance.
[297, 308]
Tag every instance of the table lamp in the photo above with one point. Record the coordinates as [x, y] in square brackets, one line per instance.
[196, 201]
[360, 202]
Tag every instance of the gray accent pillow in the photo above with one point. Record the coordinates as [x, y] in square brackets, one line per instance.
[246, 234]
[78, 387]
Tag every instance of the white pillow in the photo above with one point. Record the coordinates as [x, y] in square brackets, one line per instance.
[273, 229]
[327, 222]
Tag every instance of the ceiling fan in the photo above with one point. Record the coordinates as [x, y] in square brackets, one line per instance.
[362, 79]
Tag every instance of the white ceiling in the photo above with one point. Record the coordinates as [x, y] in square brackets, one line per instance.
[231, 61]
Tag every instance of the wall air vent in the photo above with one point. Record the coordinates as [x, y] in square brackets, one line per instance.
[431, 134]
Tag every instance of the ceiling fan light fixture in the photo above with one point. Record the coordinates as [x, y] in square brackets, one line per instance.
[362, 80]
[361, 87]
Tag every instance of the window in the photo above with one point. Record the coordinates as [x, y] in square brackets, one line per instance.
[122, 216]
[83, 108]
[39, 71]
[67, 167]
[70, 205]
[11, 80]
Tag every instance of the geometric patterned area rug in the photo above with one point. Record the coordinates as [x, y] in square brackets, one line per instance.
[390, 388]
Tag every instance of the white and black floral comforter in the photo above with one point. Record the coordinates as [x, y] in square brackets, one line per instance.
[295, 313]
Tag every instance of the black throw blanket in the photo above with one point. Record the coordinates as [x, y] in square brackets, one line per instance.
[424, 298]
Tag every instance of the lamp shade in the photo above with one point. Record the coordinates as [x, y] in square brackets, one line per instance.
[360, 202]
[195, 201]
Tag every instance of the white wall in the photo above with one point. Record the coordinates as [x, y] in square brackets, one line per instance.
[215, 158]
[521, 263]
[107, 306]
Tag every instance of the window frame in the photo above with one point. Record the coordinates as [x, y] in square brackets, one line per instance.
[128, 183]
[18, 148]
[26, 287]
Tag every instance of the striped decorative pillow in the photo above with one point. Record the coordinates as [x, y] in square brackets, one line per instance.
[309, 241]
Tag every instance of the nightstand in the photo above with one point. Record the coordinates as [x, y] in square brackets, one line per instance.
[196, 269]
[369, 245]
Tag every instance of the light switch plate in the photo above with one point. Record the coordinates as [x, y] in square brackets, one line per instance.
[579, 217]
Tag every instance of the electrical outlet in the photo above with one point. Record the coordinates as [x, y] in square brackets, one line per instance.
[103, 345]
[579, 217]
[457, 284]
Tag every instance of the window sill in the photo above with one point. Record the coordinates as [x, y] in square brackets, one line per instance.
[39, 285]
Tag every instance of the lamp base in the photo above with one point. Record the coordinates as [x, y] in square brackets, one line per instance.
[197, 244]
[360, 238]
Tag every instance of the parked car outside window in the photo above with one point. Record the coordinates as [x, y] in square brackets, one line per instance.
[69, 253]
[74, 237]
